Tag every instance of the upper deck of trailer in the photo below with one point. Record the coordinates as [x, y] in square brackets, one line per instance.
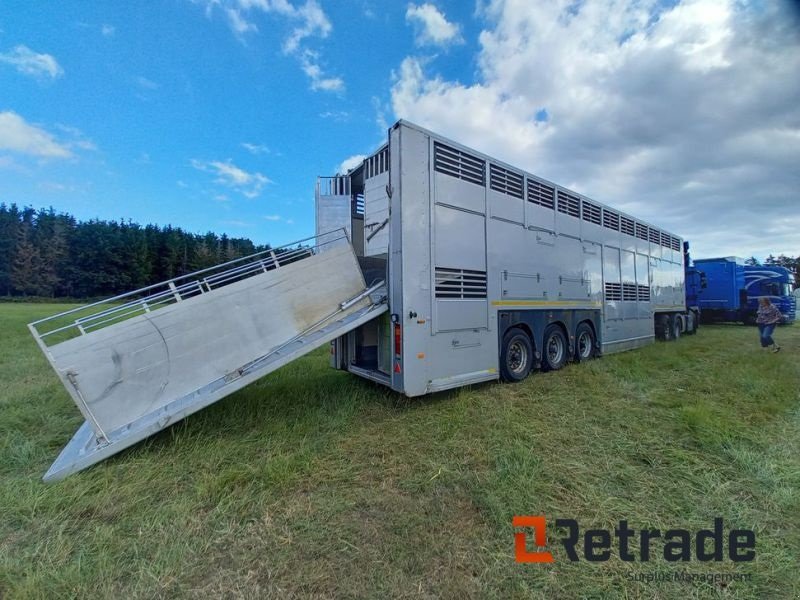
[635, 227]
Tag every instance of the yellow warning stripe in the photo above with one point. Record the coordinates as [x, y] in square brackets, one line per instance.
[545, 303]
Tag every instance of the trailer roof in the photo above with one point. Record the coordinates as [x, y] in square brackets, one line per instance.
[409, 124]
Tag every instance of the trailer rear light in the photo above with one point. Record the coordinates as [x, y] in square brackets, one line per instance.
[398, 341]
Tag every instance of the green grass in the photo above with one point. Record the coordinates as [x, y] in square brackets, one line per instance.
[312, 482]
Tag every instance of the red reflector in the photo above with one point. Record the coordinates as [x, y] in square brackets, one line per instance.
[398, 340]
[396, 367]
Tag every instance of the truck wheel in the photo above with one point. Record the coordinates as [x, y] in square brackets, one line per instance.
[584, 343]
[695, 323]
[516, 356]
[554, 353]
[676, 325]
[662, 327]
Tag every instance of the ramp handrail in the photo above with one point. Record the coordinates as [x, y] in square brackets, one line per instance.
[90, 317]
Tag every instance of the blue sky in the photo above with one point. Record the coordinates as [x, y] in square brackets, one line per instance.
[219, 114]
[160, 97]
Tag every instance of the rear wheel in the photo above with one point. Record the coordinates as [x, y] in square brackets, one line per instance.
[554, 353]
[676, 325]
[584, 342]
[516, 356]
[662, 326]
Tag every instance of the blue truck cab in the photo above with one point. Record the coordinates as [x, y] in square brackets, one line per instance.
[774, 283]
[732, 289]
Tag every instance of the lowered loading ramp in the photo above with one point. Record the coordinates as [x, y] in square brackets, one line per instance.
[136, 363]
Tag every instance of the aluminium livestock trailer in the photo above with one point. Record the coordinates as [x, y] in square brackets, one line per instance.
[433, 266]
[492, 271]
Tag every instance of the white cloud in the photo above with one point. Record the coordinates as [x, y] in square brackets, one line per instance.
[278, 219]
[685, 115]
[255, 148]
[31, 63]
[309, 21]
[319, 81]
[313, 22]
[107, 30]
[432, 26]
[229, 175]
[17, 135]
[351, 163]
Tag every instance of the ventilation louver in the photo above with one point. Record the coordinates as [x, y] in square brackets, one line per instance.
[459, 164]
[505, 181]
[460, 284]
[613, 291]
[591, 212]
[610, 219]
[541, 194]
[569, 204]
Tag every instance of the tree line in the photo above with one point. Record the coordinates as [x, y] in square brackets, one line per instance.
[45, 253]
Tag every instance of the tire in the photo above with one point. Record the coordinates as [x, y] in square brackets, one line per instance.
[516, 356]
[695, 324]
[662, 327]
[555, 349]
[676, 326]
[584, 343]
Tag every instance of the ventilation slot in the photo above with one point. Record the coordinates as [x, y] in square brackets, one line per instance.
[569, 205]
[610, 219]
[644, 293]
[377, 163]
[641, 231]
[541, 194]
[626, 225]
[591, 213]
[613, 292]
[459, 164]
[505, 181]
[676, 244]
[357, 205]
[666, 240]
[655, 236]
[460, 284]
[629, 292]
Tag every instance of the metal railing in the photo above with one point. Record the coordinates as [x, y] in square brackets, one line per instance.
[338, 185]
[91, 317]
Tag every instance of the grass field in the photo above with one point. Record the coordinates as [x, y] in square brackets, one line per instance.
[312, 482]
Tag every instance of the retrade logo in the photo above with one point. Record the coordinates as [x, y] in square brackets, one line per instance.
[596, 545]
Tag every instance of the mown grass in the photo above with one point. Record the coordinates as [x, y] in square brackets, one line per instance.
[312, 482]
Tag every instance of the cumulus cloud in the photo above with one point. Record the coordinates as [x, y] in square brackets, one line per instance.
[31, 63]
[432, 26]
[319, 81]
[229, 175]
[687, 115]
[351, 163]
[309, 21]
[17, 135]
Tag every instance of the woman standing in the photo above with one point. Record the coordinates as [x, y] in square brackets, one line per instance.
[768, 317]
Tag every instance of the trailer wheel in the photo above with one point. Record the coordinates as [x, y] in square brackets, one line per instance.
[516, 356]
[676, 326]
[662, 327]
[554, 353]
[584, 343]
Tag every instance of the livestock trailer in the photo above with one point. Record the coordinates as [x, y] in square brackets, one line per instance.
[492, 271]
[433, 266]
